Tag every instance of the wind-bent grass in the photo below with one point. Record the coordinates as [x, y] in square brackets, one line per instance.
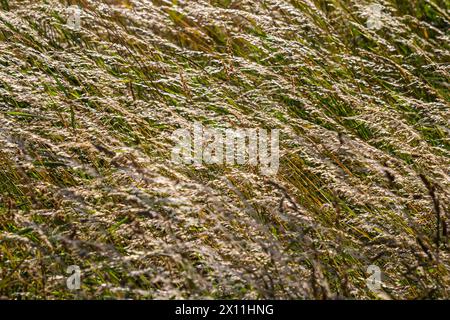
[86, 176]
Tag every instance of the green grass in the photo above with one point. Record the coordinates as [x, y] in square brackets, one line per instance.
[86, 177]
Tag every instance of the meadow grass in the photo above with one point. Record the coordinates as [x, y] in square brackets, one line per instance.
[86, 176]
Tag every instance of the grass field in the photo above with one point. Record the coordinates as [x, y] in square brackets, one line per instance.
[87, 178]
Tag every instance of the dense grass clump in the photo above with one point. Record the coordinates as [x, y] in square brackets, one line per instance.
[86, 176]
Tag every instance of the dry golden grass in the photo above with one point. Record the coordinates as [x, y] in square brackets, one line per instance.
[86, 176]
